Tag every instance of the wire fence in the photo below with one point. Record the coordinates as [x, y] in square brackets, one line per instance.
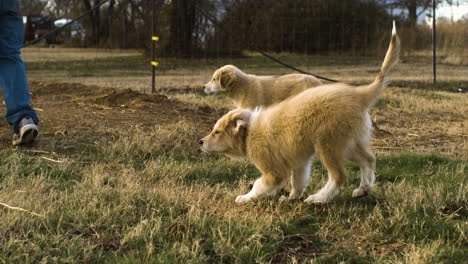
[119, 56]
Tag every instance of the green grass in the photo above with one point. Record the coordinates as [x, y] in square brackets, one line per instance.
[451, 86]
[138, 65]
[131, 65]
[387, 102]
[162, 201]
[428, 94]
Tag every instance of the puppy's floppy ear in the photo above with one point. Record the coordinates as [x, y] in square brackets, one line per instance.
[226, 78]
[240, 125]
[241, 122]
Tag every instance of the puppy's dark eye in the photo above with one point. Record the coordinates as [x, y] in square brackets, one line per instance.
[217, 132]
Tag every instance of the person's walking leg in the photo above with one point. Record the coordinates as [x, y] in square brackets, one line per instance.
[13, 77]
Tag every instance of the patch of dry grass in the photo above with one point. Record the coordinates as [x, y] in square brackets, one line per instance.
[34, 54]
[144, 193]
[160, 200]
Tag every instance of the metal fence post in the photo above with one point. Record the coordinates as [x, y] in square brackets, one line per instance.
[434, 43]
[153, 46]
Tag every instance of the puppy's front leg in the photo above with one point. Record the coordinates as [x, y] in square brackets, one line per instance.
[262, 187]
[300, 180]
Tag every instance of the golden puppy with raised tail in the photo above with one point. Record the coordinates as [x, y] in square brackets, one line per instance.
[330, 122]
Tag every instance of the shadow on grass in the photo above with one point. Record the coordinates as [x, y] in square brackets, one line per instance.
[413, 167]
[221, 171]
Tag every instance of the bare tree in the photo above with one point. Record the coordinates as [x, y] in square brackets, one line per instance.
[29, 7]
[412, 7]
[63, 8]
[95, 18]
[415, 8]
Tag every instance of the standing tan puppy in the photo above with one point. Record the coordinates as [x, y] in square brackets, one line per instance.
[249, 91]
[330, 121]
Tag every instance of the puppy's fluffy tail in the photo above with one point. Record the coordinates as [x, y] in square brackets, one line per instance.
[372, 91]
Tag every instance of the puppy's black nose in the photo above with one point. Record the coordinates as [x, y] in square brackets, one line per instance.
[200, 141]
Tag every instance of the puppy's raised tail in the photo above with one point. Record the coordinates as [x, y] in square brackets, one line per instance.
[372, 91]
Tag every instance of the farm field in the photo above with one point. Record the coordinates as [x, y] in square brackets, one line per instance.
[116, 175]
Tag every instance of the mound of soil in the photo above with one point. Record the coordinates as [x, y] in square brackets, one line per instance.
[130, 98]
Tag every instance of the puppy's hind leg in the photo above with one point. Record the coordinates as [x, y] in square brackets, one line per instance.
[333, 162]
[300, 179]
[364, 157]
[263, 187]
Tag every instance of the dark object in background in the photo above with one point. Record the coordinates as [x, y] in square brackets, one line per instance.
[36, 25]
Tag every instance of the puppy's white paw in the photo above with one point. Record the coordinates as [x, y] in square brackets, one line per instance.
[283, 199]
[295, 195]
[243, 199]
[317, 199]
[359, 192]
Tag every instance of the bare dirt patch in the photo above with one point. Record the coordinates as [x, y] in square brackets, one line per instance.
[85, 112]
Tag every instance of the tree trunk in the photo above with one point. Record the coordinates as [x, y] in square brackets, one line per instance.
[95, 20]
[412, 13]
[182, 25]
[110, 14]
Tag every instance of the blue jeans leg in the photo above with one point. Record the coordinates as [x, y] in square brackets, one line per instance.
[12, 71]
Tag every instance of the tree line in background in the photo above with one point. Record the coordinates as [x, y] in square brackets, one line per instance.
[217, 27]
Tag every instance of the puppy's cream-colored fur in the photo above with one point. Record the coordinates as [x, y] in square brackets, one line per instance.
[249, 91]
[330, 121]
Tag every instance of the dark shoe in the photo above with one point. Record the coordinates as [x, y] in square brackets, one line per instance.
[27, 132]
